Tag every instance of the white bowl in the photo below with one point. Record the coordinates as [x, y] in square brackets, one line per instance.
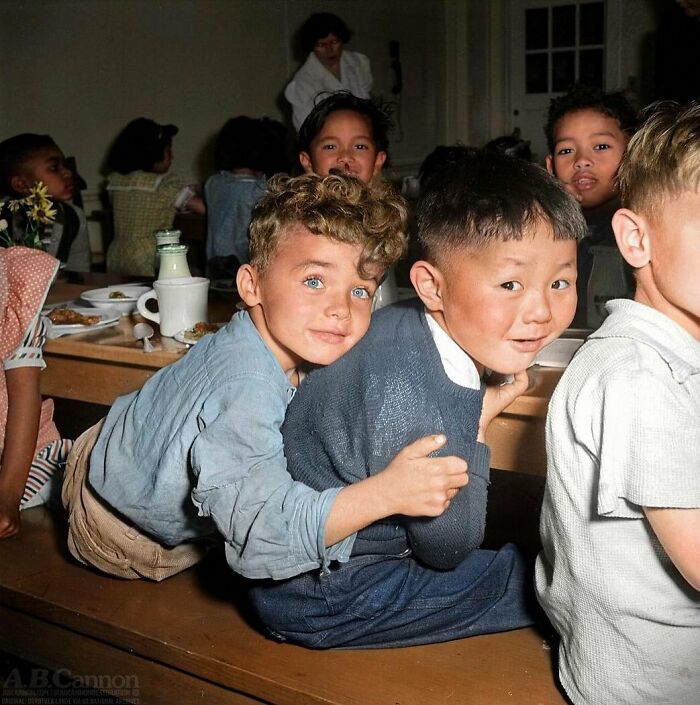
[100, 298]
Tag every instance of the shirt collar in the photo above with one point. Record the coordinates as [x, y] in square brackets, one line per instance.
[631, 319]
[458, 366]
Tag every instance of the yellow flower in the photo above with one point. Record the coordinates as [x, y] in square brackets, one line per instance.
[43, 212]
[39, 191]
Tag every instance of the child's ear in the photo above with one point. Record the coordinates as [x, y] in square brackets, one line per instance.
[549, 163]
[632, 237]
[429, 283]
[247, 280]
[379, 163]
[305, 161]
[21, 183]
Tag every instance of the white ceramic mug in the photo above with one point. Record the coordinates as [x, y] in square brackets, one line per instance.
[182, 302]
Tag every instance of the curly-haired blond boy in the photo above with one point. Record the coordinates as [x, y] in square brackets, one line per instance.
[198, 450]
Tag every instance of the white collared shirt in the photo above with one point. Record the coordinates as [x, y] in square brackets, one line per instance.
[459, 367]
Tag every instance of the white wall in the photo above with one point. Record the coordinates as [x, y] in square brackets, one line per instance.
[81, 69]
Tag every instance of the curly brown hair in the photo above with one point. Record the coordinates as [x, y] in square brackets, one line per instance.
[340, 207]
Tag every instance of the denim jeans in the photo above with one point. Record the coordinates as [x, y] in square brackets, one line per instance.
[386, 601]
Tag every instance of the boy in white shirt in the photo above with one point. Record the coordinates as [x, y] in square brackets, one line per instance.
[620, 570]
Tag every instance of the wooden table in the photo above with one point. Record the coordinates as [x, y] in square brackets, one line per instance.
[98, 367]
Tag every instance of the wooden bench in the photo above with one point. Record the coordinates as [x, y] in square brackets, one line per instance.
[188, 639]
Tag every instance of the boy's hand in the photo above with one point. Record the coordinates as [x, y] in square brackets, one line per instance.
[416, 484]
[497, 397]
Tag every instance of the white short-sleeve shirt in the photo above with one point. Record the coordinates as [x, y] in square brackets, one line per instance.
[623, 432]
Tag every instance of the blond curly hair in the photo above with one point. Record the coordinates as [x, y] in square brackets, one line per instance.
[339, 207]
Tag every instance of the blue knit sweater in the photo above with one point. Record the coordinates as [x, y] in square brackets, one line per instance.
[348, 420]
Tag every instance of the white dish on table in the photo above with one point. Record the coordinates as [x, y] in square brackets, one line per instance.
[184, 337]
[108, 318]
[558, 353]
[100, 298]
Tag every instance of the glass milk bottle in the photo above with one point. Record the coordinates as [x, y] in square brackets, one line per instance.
[167, 236]
[607, 281]
[173, 262]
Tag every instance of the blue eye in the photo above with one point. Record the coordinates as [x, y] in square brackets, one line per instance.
[313, 283]
[560, 284]
[360, 292]
[512, 286]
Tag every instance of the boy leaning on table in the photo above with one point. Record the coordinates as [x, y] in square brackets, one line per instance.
[619, 574]
[495, 285]
[199, 449]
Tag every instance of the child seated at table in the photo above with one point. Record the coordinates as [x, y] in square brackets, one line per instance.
[587, 132]
[199, 449]
[31, 447]
[619, 573]
[346, 134]
[232, 192]
[497, 284]
[145, 194]
[27, 159]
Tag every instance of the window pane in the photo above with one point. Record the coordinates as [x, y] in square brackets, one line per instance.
[536, 71]
[591, 67]
[592, 27]
[564, 26]
[563, 70]
[536, 28]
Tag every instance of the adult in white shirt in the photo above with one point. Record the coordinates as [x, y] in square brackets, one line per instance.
[328, 67]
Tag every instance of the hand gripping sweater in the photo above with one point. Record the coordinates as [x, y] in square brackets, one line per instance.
[348, 420]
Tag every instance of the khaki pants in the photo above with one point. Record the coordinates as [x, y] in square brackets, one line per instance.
[97, 536]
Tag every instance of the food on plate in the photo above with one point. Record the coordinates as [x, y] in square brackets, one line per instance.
[69, 317]
[199, 330]
[117, 295]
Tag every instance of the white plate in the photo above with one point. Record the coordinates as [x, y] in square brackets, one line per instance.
[182, 336]
[558, 353]
[108, 317]
[228, 286]
[100, 297]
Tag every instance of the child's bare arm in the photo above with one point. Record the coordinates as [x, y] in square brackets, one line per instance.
[24, 410]
[497, 398]
[413, 484]
[678, 530]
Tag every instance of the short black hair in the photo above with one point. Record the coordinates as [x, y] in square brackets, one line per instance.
[440, 157]
[614, 105]
[259, 144]
[479, 197]
[139, 146]
[14, 152]
[344, 100]
[320, 25]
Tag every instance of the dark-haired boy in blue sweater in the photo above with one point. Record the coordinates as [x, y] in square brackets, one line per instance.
[496, 285]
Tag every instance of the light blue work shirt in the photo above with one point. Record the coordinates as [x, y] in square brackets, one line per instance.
[230, 200]
[199, 449]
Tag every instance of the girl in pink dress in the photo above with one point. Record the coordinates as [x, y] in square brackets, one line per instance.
[32, 450]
